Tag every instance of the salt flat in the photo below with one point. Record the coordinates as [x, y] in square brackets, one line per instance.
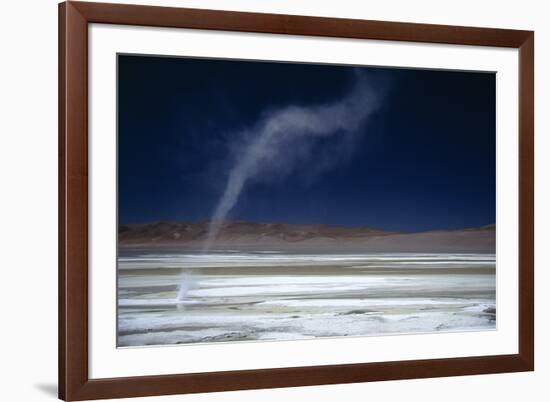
[232, 295]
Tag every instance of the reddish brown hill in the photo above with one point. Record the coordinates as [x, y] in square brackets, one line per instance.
[282, 236]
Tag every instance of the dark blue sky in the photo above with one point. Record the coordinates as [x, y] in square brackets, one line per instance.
[425, 160]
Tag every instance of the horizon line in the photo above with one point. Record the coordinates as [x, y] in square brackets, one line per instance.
[207, 221]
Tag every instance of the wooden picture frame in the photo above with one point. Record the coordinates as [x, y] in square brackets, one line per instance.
[74, 381]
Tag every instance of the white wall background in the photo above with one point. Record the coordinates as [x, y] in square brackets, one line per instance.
[28, 199]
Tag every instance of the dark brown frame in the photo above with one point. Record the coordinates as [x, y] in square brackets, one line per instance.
[74, 383]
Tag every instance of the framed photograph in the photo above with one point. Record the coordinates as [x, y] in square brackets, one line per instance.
[258, 200]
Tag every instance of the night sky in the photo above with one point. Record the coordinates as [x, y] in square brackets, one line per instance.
[424, 160]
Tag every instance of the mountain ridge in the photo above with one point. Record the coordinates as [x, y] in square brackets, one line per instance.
[285, 236]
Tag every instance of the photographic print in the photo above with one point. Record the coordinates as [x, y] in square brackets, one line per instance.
[273, 201]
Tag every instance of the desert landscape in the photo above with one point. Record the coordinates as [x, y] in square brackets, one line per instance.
[281, 282]
[273, 201]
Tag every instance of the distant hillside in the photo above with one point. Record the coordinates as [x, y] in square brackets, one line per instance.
[319, 238]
